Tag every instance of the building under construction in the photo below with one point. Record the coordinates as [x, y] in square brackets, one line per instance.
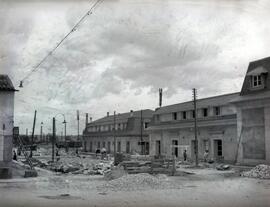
[231, 127]
[128, 130]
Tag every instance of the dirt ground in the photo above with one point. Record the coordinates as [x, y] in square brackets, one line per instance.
[202, 187]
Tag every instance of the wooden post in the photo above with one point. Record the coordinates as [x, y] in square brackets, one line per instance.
[114, 138]
[195, 125]
[53, 139]
[33, 132]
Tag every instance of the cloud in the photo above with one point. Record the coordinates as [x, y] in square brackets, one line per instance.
[121, 54]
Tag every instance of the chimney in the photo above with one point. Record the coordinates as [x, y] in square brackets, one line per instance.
[108, 114]
[131, 113]
[86, 119]
[90, 119]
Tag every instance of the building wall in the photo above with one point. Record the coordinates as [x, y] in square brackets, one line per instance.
[6, 136]
[133, 140]
[185, 139]
[254, 128]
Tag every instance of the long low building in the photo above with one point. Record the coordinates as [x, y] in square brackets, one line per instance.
[232, 127]
[130, 133]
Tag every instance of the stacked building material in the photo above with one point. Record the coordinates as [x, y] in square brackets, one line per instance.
[260, 171]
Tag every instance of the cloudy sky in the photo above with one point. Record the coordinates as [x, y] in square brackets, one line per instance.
[122, 53]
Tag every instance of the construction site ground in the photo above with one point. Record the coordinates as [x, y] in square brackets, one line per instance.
[191, 186]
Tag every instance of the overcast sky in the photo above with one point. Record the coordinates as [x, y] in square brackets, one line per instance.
[127, 49]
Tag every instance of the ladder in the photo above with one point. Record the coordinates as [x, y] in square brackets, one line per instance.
[28, 160]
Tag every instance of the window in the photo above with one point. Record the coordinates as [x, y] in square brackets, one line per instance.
[98, 145]
[103, 144]
[256, 80]
[157, 117]
[193, 114]
[205, 112]
[174, 116]
[119, 126]
[217, 111]
[184, 115]
[146, 125]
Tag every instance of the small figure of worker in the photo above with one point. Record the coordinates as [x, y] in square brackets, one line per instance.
[103, 153]
[14, 155]
[205, 155]
[185, 155]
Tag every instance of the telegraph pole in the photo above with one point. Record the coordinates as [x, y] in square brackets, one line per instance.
[195, 124]
[53, 139]
[33, 132]
[141, 134]
[41, 132]
[114, 138]
[78, 119]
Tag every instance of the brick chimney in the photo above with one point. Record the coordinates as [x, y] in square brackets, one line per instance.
[108, 114]
[131, 113]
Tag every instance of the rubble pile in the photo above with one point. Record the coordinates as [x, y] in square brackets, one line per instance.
[133, 182]
[260, 171]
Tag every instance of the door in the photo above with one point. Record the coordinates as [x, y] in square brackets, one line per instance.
[147, 148]
[158, 151]
[109, 147]
[218, 149]
[175, 148]
[128, 147]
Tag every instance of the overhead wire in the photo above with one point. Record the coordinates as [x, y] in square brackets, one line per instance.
[89, 12]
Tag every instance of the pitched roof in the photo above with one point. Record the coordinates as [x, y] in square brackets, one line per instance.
[5, 83]
[263, 66]
[146, 113]
[201, 103]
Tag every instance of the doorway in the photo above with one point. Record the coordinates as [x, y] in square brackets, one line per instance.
[158, 147]
[218, 148]
[175, 148]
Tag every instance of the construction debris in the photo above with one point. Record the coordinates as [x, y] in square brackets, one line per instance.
[133, 182]
[260, 171]
[223, 167]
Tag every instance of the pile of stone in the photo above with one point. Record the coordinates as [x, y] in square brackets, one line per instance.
[260, 171]
[134, 182]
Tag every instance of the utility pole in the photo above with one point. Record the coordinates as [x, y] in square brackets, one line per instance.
[41, 132]
[78, 119]
[114, 138]
[53, 139]
[141, 134]
[65, 132]
[160, 96]
[33, 132]
[195, 124]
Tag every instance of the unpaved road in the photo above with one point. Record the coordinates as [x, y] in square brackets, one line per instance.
[202, 189]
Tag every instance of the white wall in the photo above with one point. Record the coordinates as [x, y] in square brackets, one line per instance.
[7, 118]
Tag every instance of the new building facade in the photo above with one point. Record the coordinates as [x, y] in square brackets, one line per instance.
[232, 127]
[130, 133]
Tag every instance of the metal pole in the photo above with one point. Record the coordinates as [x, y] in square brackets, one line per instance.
[114, 138]
[33, 132]
[53, 139]
[195, 124]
